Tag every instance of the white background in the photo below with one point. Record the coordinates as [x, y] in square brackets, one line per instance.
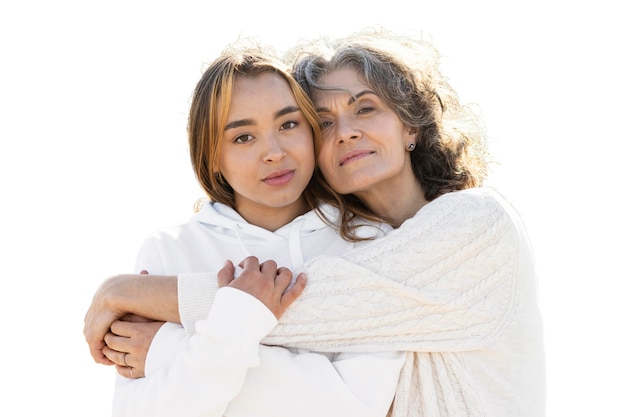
[93, 157]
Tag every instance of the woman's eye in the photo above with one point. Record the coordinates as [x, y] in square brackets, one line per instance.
[288, 125]
[325, 124]
[243, 138]
[365, 109]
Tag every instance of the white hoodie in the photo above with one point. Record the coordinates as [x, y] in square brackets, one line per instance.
[200, 375]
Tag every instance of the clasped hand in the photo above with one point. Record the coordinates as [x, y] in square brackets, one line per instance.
[127, 337]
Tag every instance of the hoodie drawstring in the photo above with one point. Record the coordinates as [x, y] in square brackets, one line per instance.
[295, 248]
[236, 228]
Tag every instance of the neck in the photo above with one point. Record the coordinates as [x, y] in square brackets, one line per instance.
[273, 218]
[397, 204]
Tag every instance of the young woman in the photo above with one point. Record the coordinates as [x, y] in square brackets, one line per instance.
[251, 131]
[454, 284]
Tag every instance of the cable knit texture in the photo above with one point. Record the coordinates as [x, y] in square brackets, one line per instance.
[455, 286]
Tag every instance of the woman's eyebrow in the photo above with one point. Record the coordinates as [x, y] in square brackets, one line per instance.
[351, 100]
[359, 95]
[238, 123]
[249, 122]
[286, 110]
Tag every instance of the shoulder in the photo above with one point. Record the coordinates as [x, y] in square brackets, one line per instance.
[473, 197]
[175, 231]
[467, 204]
[464, 215]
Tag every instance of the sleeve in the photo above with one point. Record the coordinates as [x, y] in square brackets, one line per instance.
[210, 367]
[310, 385]
[195, 294]
[164, 346]
[351, 384]
[223, 366]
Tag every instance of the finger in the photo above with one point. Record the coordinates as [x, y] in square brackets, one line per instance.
[269, 268]
[250, 262]
[226, 275]
[94, 340]
[105, 360]
[119, 343]
[292, 293]
[133, 318]
[283, 278]
[129, 372]
[121, 328]
[98, 355]
[123, 371]
[117, 357]
[95, 346]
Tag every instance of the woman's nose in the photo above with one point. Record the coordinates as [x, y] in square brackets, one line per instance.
[346, 129]
[274, 151]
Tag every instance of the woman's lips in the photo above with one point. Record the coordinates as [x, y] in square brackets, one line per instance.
[354, 156]
[279, 177]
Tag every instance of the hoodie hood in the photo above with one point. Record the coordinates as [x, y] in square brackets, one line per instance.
[228, 224]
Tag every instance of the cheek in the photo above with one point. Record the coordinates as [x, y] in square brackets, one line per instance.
[324, 160]
[235, 168]
[304, 153]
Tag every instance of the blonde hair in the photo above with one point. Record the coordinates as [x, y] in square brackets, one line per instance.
[210, 105]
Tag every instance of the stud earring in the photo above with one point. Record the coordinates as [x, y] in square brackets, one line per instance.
[410, 146]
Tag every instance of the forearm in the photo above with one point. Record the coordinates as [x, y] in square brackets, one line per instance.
[151, 296]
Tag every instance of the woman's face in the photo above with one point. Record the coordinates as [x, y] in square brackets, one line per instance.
[364, 146]
[267, 153]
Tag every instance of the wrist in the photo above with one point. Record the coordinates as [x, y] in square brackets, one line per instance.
[122, 293]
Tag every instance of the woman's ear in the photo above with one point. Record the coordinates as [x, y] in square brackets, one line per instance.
[412, 132]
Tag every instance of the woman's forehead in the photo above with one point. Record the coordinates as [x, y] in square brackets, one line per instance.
[345, 78]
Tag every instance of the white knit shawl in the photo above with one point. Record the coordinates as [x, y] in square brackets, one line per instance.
[454, 287]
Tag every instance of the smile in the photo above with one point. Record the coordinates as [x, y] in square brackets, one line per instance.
[354, 156]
